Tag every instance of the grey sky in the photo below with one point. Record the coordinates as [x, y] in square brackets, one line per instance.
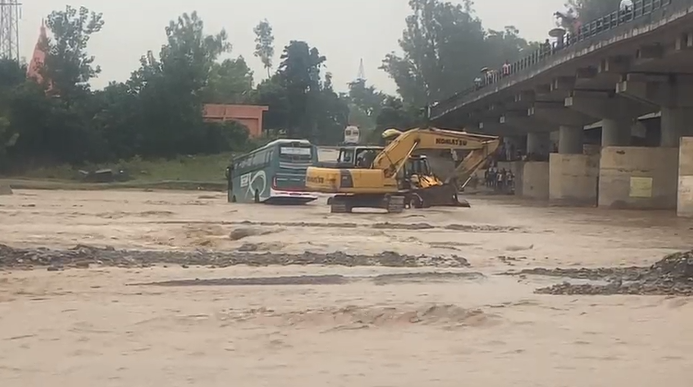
[344, 30]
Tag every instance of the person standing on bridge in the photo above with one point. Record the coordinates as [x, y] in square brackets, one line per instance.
[625, 9]
[626, 5]
[506, 69]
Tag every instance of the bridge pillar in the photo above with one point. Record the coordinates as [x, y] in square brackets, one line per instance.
[572, 174]
[628, 177]
[531, 176]
[684, 205]
[616, 132]
[676, 122]
[570, 139]
[673, 93]
[616, 112]
[539, 144]
[513, 144]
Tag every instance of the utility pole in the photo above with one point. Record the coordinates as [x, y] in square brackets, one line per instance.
[9, 29]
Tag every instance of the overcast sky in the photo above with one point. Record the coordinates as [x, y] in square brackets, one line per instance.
[344, 30]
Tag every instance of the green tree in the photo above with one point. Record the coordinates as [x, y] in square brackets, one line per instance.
[332, 114]
[68, 66]
[190, 54]
[272, 92]
[59, 129]
[302, 103]
[5, 140]
[445, 46]
[12, 73]
[366, 98]
[230, 81]
[117, 116]
[157, 112]
[264, 44]
[507, 45]
[358, 117]
[396, 114]
[437, 44]
[588, 10]
[171, 89]
[48, 129]
[299, 73]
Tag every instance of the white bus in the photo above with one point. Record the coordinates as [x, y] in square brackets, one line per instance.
[272, 174]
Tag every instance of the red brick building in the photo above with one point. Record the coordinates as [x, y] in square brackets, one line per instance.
[248, 115]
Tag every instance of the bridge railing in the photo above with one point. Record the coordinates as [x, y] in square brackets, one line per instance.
[639, 9]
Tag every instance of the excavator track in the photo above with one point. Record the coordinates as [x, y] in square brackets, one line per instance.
[394, 204]
[340, 204]
[344, 204]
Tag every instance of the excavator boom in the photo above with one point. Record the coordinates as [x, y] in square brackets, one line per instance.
[397, 152]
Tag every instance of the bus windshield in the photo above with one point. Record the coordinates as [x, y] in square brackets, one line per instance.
[296, 153]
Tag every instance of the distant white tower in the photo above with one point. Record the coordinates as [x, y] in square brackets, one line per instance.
[9, 29]
[362, 72]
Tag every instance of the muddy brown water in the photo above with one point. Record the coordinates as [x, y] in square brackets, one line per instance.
[423, 321]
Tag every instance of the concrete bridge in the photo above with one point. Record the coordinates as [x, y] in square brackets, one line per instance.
[613, 70]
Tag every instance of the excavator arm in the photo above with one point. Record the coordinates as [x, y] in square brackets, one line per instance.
[472, 162]
[396, 153]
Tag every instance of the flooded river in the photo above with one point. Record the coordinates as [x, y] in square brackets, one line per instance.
[186, 289]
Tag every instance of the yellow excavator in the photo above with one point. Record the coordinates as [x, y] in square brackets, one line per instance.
[384, 182]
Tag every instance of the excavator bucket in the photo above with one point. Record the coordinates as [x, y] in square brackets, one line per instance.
[437, 196]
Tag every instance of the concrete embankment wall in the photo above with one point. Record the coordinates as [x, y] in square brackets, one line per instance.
[638, 178]
[531, 178]
[685, 186]
[573, 179]
[535, 180]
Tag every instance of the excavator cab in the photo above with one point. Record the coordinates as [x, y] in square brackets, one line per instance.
[419, 166]
[358, 156]
[417, 173]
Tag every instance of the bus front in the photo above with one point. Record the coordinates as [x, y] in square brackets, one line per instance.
[289, 181]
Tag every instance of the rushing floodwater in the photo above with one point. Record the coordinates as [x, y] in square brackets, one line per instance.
[103, 326]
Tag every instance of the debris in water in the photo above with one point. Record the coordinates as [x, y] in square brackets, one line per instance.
[83, 256]
[672, 275]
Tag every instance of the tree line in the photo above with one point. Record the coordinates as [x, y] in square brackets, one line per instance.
[156, 113]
